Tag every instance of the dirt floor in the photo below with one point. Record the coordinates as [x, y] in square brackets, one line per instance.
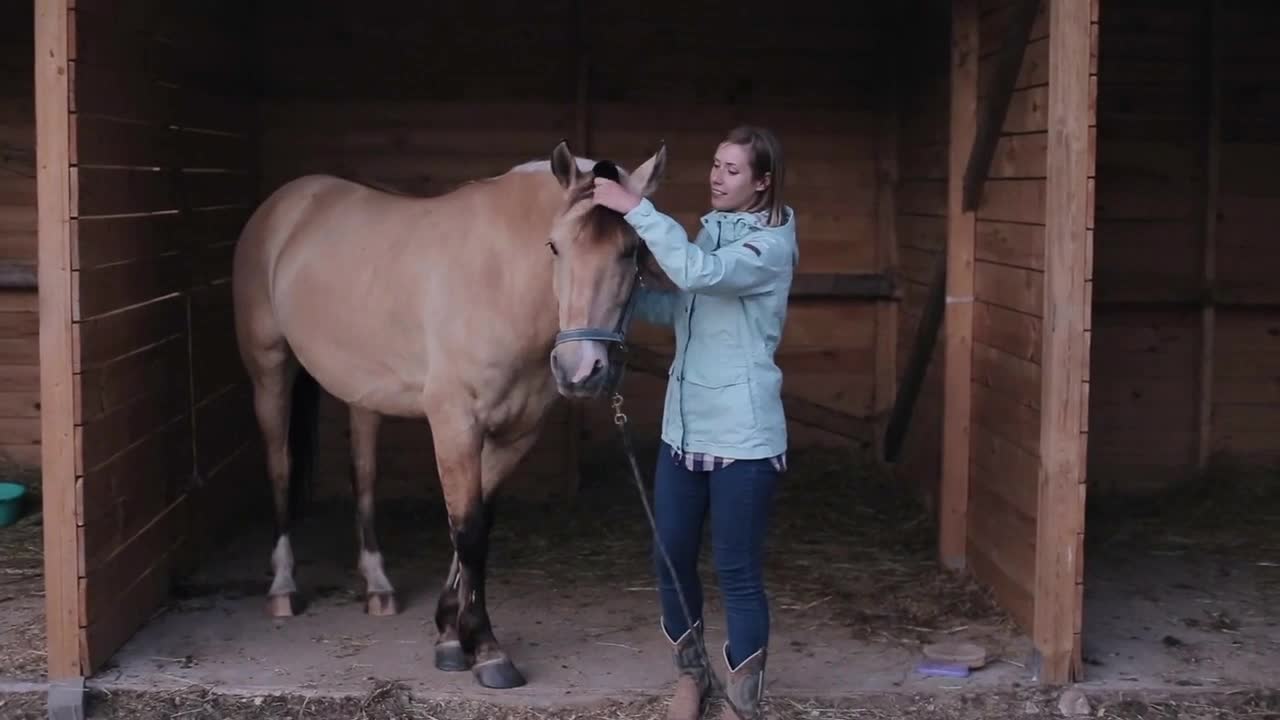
[1181, 606]
[22, 655]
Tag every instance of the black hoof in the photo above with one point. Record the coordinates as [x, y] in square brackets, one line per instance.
[450, 657]
[498, 674]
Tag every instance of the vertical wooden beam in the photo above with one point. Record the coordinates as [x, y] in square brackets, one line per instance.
[886, 220]
[1060, 511]
[63, 614]
[1208, 321]
[958, 324]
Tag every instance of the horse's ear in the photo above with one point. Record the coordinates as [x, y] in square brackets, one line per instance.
[563, 165]
[645, 179]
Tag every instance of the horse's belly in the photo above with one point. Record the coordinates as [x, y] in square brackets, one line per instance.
[361, 379]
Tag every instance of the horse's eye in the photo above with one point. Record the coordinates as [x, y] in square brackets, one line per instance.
[552, 245]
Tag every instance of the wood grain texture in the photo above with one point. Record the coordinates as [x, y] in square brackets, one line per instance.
[958, 323]
[64, 612]
[1060, 512]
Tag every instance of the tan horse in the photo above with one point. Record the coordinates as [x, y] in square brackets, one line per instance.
[446, 308]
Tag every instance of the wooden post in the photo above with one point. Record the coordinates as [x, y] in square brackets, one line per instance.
[63, 614]
[1060, 511]
[886, 217]
[1213, 90]
[958, 323]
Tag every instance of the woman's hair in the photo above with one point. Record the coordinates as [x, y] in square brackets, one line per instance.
[766, 157]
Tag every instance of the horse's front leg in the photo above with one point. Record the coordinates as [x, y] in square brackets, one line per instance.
[380, 598]
[468, 470]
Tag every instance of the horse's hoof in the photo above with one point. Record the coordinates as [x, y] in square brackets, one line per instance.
[283, 605]
[450, 657]
[498, 674]
[380, 604]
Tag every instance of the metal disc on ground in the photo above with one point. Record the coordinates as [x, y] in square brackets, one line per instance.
[960, 653]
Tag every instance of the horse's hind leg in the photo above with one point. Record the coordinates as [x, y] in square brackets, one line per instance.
[379, 595]
[273, 370]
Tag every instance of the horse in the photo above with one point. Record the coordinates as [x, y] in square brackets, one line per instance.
[446, 308]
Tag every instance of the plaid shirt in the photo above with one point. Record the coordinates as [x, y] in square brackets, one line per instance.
[704, 462]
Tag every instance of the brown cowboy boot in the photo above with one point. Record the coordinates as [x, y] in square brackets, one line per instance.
[744, 687]
[693, 685]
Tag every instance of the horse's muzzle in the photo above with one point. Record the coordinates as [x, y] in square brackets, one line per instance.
[583, 368]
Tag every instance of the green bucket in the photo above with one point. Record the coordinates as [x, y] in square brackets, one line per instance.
[11, 495]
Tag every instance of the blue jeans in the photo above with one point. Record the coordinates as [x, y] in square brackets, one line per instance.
[738, 498]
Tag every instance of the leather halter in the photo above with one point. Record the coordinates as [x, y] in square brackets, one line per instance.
[617, 337]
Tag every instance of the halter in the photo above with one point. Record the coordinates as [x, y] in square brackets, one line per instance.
[617, 337]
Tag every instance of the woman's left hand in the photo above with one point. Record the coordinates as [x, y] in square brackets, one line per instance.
[613, 196]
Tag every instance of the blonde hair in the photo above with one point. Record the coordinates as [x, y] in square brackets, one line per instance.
[765, 152]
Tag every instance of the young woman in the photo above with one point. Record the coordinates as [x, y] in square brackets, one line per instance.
[724, 434]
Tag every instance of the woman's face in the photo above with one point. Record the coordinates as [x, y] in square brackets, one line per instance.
[733, 189]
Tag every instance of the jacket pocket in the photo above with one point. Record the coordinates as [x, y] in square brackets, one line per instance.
[718, 407]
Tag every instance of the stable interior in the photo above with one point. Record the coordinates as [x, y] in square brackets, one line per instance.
[174, 498]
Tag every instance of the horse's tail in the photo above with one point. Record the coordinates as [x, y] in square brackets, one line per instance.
[304, 431]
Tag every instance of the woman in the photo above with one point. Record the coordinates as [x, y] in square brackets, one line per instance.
[724, 432]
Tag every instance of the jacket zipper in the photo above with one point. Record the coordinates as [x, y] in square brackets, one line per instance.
[693, 298]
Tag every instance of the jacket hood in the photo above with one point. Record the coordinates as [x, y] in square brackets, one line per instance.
[754, 222]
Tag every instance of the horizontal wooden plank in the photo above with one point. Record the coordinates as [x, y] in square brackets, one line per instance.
[215, 189]
[1019, 201]
[922, 197]
[101, 389]
[223, 423]
[21, 378]
[1001, 372]
[99, 191]
[1008, 416]
[1009, 287]
[105, 338]
[119, 499]
[106, 582]
[108, 288]
[1020, 156]
[19, 404]
[1007, 471]
[112, 433]
[1011, 244]
[104, 241]
[922, 232]
[1028, 111]
[850, 286]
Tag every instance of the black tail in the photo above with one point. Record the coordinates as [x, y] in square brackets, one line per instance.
[304, 421]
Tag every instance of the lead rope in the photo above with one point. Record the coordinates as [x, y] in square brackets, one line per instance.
[620, 420]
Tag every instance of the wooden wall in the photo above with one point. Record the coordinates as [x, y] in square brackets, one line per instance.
[923, 100]
[19, 323]
[393, 97]
[162, 174]
[1187, 190]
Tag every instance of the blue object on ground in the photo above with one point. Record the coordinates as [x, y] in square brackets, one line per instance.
[942, 669]
[11, 495]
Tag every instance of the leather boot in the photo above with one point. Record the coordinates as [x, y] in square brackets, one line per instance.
[744, 687]
[693, 685]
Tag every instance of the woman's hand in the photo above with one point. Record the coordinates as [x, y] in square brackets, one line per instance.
[613, 196]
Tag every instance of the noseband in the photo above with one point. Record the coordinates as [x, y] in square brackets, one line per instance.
[616, 338]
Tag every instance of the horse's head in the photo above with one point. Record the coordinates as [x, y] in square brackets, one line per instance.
[598, 262]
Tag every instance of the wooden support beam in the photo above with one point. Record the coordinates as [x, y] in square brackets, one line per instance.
[849, 286]
[918, 363]
[1060, 502]
[17, 276]
[957, 389]
[64, 615]
[1208, 313]
[995, 105]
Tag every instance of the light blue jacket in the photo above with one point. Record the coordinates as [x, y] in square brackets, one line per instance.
[724, 391]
